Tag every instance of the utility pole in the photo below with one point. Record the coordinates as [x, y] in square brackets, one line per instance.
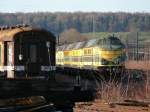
[93, 23]
[137, 46]
[58, 36]
[58, 39]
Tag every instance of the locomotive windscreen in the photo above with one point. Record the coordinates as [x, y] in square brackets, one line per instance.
[111, 43]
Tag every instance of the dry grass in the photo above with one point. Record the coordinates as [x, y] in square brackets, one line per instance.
[131, 87]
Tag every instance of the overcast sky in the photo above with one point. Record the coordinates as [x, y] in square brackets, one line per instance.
[74, 5]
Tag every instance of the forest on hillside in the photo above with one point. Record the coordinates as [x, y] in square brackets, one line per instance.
[82, 22]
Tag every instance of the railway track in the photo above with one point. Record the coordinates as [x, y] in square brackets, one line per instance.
[41, 108]
[29, 108]
[48, 107]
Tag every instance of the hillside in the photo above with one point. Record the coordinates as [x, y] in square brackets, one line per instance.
[82, 22]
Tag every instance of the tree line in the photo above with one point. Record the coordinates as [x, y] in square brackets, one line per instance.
[82, 22]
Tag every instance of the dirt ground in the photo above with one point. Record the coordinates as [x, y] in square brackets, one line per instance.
[101, 106]
[139, 65]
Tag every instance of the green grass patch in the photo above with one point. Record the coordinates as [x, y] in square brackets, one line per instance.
[124, 36]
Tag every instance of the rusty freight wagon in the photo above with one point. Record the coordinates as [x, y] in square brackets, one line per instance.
[26, 52]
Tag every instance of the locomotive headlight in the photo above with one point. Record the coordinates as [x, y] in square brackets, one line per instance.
[114, 69]
[116, 61]
[20, 57]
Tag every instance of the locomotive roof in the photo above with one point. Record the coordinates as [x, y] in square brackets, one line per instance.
[8, 34]
[61, 48]
[84, 44]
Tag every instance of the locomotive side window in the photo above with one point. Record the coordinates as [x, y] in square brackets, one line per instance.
[33, 53]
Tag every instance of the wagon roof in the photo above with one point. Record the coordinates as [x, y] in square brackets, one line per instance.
[9, 34]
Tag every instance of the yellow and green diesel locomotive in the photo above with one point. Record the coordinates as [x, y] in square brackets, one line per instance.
[96, 54]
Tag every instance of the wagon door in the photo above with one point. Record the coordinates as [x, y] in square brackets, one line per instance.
[33, 59]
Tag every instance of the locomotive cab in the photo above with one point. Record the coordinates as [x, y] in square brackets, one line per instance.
[28, 53]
